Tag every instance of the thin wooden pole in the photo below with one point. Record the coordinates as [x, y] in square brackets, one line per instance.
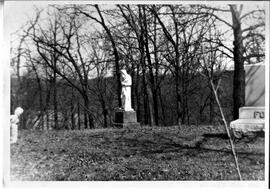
[227, 128]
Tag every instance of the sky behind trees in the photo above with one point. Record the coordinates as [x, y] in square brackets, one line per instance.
[17, 13]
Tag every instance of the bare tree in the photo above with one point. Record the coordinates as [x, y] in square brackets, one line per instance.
[184, 38]
[79, 10]
[240, 52]
[70, 62]
[210, 56]
[101, 88]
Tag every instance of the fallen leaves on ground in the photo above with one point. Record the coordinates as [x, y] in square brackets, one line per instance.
[144, 153]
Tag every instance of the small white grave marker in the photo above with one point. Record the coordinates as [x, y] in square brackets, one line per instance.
[14, 120]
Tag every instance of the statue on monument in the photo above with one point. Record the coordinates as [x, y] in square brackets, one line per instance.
[125, 116]
[14, 120]
[126, 90]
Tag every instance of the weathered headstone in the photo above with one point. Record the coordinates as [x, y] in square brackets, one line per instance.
[251, 116]
[125, 116]
[14, 120]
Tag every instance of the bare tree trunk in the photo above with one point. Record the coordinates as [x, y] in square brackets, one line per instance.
[178, 100]
[145, 97]
[105, 113]
[91, 120]
[41, 108]
[72, 116]
[48, 120]
[186, 105]
[150, 104]
[85, 112]
[147, 116]
[72, 110]
[138, 103]
[55, 103]
[116, 55]
[54, 61]
[239, 72]
[47, 101]
[79, 116]
[157, 94]
[85, 120]
[183, 104]
[153, 106]
[88, 118]
[211, 108]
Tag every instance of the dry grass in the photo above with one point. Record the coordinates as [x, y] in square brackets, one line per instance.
[147, 153]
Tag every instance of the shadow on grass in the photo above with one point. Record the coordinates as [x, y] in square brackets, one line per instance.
[195, 146]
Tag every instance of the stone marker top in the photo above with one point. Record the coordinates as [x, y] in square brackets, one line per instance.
[255, 85]
[14, 119]
[256, 64]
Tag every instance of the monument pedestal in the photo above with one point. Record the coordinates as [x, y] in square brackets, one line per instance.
[125, 119]
[251, 120]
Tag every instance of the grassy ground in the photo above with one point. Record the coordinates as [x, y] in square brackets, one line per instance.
[168, 153]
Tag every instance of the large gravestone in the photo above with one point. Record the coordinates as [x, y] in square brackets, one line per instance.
[251, 116]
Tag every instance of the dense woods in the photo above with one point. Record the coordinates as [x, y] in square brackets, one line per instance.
[202, 109]
[71, 56]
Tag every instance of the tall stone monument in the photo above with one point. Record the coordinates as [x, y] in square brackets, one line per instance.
[251, 116]
[125, 116]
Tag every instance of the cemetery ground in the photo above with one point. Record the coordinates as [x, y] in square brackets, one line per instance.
[146, 153]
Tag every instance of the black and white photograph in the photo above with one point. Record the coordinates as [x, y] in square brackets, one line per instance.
[136, 91]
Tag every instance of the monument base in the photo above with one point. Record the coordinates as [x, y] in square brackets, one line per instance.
[125, 119]
[251, 121]
[246, 127]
